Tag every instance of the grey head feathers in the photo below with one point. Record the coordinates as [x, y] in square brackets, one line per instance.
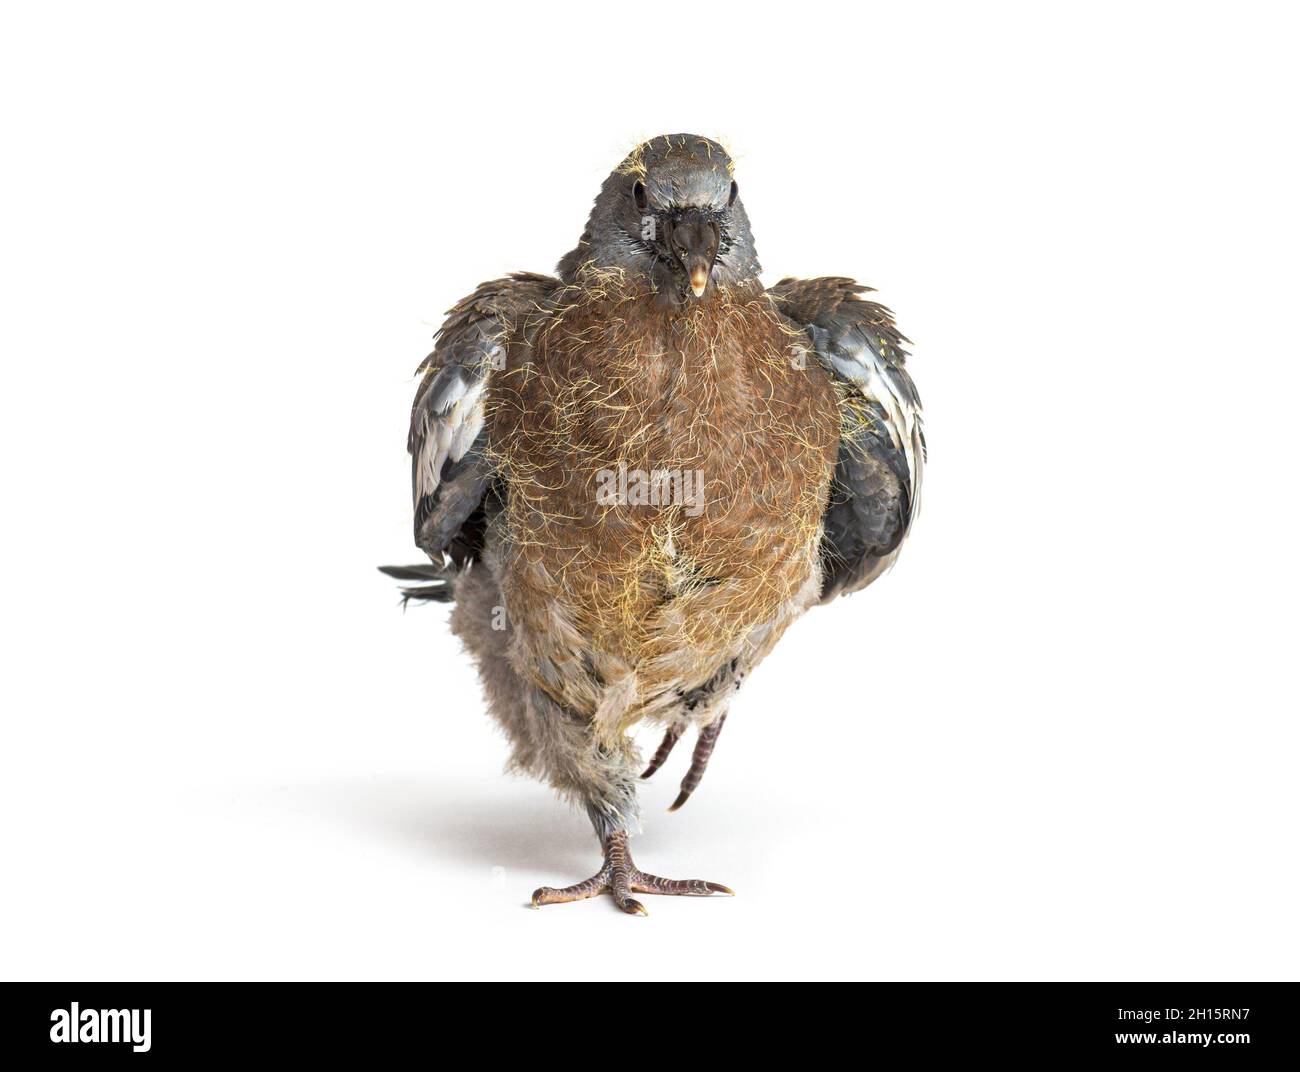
[665, 183]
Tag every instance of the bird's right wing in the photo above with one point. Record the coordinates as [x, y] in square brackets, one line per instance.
[450, 471]
[876, 490]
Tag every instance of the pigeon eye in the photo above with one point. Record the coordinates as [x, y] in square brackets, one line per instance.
[639, 196]
[731, 200]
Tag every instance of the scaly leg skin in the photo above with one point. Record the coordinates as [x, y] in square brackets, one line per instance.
[699, 760]
[621, 878]
[671, 737]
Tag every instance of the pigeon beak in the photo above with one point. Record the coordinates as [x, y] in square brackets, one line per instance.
[695, 239]
[699, 276]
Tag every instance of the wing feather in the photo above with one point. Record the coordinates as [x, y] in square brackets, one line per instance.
[876, 492]
[450, 469]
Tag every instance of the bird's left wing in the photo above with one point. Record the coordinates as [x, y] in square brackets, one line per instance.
[876, 491]
[450, 469]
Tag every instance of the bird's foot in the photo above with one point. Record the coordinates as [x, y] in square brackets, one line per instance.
[699, 760]
[621, 878]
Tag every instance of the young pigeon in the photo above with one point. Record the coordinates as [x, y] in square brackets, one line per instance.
[633, 476]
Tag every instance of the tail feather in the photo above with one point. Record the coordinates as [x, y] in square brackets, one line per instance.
[437, 590]
[422, 572]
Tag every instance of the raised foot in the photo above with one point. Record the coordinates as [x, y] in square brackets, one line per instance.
[699, 760]
[622, 878]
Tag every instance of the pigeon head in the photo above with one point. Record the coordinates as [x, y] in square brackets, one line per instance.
[670, 212]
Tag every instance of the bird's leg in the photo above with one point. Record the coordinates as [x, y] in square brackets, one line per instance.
[703, 750]
[621, 877]
[601, 775]
[671, 737]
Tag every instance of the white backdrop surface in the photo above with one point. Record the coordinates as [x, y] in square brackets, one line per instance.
[1058, 741]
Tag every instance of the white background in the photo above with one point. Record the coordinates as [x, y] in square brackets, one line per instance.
[1058, 741]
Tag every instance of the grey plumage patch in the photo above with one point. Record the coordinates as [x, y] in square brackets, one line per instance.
[449, 472]
[680, 171]
[876, 492]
